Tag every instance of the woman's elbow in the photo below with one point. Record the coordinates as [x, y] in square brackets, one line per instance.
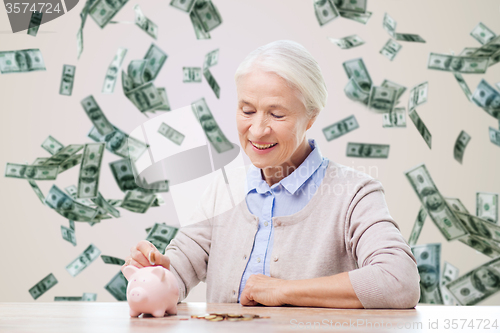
[405, 295]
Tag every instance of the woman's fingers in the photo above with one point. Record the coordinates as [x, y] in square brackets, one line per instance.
[139, 256]
[132, 262]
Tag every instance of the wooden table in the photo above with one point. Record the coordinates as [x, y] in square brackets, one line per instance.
[73, 317]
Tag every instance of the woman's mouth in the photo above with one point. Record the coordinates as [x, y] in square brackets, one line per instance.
[263, 147]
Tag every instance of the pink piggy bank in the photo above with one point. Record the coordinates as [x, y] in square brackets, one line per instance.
[153, 290]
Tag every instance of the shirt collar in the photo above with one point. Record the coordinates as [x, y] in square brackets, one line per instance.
[294, 180]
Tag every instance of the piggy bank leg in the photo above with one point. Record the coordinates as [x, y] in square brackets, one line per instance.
[134, 313]
[159, 313]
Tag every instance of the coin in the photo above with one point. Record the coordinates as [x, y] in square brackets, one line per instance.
[217, 318]
[210, 316]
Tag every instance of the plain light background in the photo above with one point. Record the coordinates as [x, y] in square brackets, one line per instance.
[31, 109]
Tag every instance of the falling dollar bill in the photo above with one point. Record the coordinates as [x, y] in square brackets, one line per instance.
[212, 131]
[211, 58]
[90, 254]
[68, 235]
[382, 99]
[79, 43]
[198, 27]
[211, 82]
[67, 80]
[118, 287]
[207, 14]
[487, 247]
[62, 155]
[409, 38]
[463, 85]
[488, 49]
[123, 174]
[340, 128]
[367, 150]
[422, 129]
[161, 235]
[428, 263]
[417, 226]
[347, 42]
[35, 21]
[89, 297]
[460, 144]
[139, 72]
[418, 95]
[171, 134]
[448, 274]
[449, 63]
[494, 136]
[37, 190]
[191, 74]
[96, 115]
[72, 190]
[40, 160]
[390, 49]
[104, 204]
[356, 69]
[358, 17]
[477, 284]
[70, 162]
[399, 88]
[325, 11]
[21, 61]
[487, 206]
[358, 6]
[112, 260]
[52, 145]
[480, 227]
[183, 5]
[482, 33]
[67, 298]
[165, 104]
[353, 91]
[119, 143]
[145, 97]
[137, 201]
[487, 98]
[437, 208]
[389, 24]
[395, 118]
[112, 72]
[88, 180]
[144, 23]
[41, 287]
[66, 206]
[103, 11]
[34, 172]
[456, 205]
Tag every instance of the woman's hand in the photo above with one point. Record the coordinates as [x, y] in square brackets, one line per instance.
[263, 289]
[140, 254]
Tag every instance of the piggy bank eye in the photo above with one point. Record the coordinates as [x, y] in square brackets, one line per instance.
[143, 280]
[134, 280]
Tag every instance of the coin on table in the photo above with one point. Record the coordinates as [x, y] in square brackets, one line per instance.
[217, 318]
[234, 319]
[234, 315]
[210, 316]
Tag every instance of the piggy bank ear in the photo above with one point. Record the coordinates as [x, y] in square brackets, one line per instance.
[129, 270]
[159, 271]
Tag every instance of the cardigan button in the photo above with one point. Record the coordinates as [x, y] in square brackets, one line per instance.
[245, 257]
[234, 292]
[275, 258]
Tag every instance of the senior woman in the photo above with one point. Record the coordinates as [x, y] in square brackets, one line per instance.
[309, 232]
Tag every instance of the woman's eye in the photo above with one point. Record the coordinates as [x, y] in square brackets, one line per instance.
[276, 116]
[247, 112]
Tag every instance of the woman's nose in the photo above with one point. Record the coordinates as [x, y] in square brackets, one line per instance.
[259, 127]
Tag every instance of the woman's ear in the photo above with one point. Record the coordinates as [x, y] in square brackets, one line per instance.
[312, 120]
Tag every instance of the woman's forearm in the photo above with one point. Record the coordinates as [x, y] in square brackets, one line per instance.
[333, 291]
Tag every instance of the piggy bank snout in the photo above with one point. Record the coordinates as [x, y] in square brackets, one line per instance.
[138, 294]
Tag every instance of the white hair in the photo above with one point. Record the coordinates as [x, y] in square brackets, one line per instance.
[292, 62]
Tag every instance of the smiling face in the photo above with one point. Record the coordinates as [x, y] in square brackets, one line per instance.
[270, 112]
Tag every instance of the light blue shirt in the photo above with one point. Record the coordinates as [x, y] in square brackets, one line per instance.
[286, 197]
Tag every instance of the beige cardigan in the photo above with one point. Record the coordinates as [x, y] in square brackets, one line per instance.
[345, 225]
